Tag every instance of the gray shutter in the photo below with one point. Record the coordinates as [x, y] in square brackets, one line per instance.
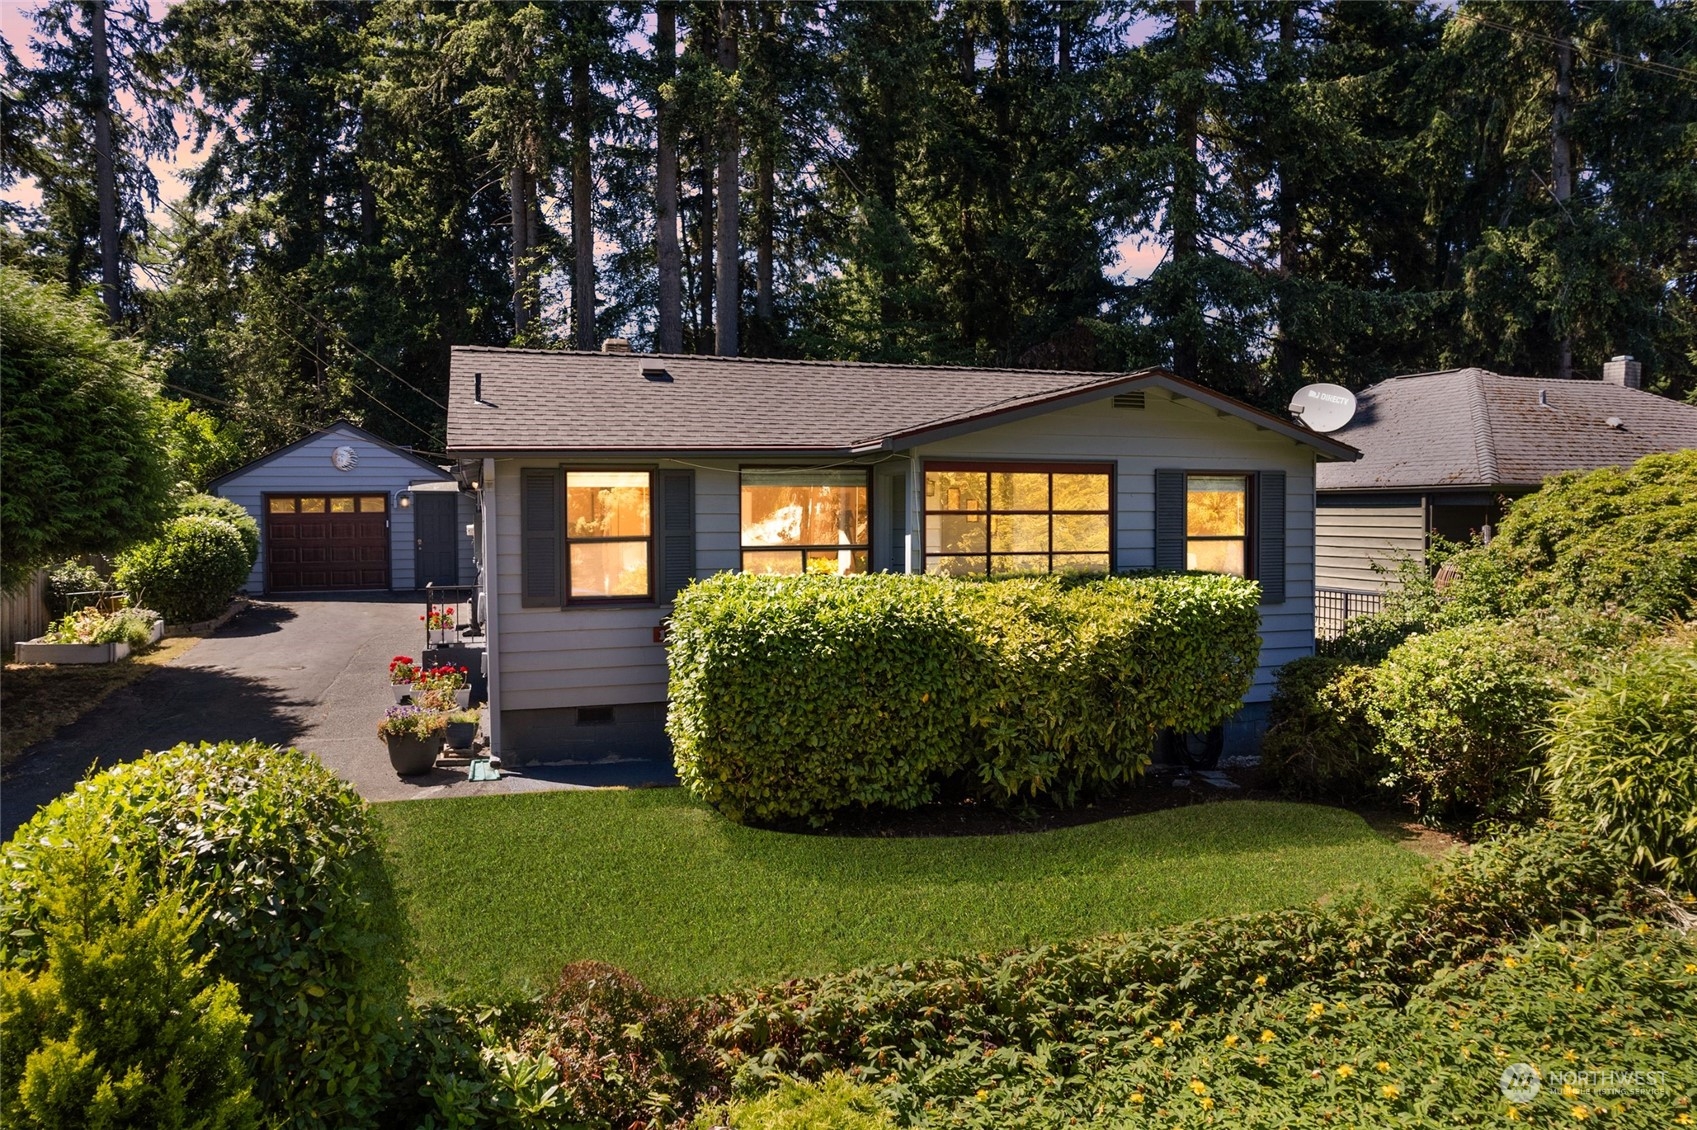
[677, 532]
[896, 555]
[1169, 519]
[1270, 535]
[542, 520]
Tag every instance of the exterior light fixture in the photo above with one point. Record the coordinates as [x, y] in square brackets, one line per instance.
[403, 499]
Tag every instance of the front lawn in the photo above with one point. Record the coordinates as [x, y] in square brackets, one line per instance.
[504, 890]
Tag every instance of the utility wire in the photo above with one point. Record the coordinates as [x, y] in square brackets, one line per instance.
[1668, 70]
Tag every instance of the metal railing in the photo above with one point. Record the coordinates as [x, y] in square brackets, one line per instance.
[450, 614]
[1335, 608]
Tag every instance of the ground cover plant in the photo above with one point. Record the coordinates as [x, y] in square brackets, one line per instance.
[796, 697]
[663, 887]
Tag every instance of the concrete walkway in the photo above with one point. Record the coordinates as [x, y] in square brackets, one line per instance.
[307, 672]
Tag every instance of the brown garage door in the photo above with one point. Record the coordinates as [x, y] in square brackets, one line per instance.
[322, 542]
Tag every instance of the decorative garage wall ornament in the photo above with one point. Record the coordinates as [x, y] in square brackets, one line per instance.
[344, 458]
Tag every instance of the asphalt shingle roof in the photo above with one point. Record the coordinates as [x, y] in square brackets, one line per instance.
[1472, 427]
[549, 400]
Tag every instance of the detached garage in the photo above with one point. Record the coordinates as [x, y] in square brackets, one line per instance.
[344, 511]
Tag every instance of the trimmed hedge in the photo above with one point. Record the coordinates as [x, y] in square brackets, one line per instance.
[232, 512]
[801, 696]
[189, 572]
[282, 858]
[1622, 758]
[1457, 713]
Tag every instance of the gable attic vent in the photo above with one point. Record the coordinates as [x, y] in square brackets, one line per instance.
[1129, 399]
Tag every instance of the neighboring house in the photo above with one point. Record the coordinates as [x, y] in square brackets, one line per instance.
[343, 510]
[1442, 453]
[609, 481]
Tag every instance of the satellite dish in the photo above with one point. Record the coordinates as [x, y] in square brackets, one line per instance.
[1323, 408]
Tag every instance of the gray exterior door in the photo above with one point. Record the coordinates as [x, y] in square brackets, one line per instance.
[438, 557]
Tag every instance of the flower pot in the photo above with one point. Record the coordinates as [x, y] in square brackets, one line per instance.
[461, 734]
[411, 756]
[462, 698]
[402, 691]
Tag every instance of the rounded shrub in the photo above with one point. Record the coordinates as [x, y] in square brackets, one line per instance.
[1319, 741]
[836, 1101]
[117, 1023]
[1622, 758]
[232, 512]
[1457, 712]
[285, 864]
[189, 572]
[66, 578]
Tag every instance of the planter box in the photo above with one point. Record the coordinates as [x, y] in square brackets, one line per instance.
[65, 653]
[206, 627]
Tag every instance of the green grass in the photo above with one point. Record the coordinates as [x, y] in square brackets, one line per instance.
[504, 890]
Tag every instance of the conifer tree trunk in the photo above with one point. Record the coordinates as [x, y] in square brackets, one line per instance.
[106, 176]
[670, 330]
[765, 204]
[1285, 351]
[1561, 170]
[725, 328]
[1186, 223]
[583, 196]
[519, 198]
[704, 45]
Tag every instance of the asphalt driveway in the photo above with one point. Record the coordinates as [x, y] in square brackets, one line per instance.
[304, 672]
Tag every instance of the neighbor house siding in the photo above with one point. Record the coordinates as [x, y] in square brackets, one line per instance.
[1172, 433]
[307, 470]
[1350, 540]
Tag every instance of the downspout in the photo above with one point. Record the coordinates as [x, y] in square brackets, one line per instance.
[915, 512]
[489, 570]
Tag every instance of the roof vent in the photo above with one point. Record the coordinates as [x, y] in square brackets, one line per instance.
[1130, 399]
[1623, 371]
[616, 345]
[654, 371]
[1613, 421]
[1544, 399]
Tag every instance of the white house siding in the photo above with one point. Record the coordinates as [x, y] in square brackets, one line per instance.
[307, 470]
[1171, 433]
[1350, 540]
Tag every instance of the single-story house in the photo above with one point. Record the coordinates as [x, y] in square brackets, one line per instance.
[609, 481]
[343, 510]
[1442, 453]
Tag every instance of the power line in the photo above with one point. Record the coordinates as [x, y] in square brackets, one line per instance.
[1665, 69]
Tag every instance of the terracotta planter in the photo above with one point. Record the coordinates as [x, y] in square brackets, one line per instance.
[411, 756]
[461, 734]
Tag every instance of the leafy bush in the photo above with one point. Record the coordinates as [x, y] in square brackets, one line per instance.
[461, 1069]
[1622, 758]
[834, 1102]
[79, 447]
[1319, 742]
[1609, 538]
[116, 1023]
[285, 862]
[66, 578]
[1054, 1011]
[411, 722]
[1457, 712]
[624, 1056]
[232, 512]
[189, 572]
[800, 696]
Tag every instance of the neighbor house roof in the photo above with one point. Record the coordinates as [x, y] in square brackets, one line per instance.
[346, 426]
[1472, 428]
[536, 401]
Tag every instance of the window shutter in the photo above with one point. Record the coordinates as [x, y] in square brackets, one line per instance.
[896, 555]
[1270, 535]
[677, 532]
[542, 520]
[1169, 519]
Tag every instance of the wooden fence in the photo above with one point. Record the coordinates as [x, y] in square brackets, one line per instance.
[23, 614]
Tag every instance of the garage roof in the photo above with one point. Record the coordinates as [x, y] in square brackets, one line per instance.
[345, 426]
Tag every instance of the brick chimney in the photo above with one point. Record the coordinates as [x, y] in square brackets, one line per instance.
[1623, 371]
[616, 345]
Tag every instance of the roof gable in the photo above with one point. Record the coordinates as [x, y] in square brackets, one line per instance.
[342, 427]
[1475, 428]
[548, 401]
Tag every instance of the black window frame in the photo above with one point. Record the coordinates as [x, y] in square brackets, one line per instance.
[991, 467]
[743, 548]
